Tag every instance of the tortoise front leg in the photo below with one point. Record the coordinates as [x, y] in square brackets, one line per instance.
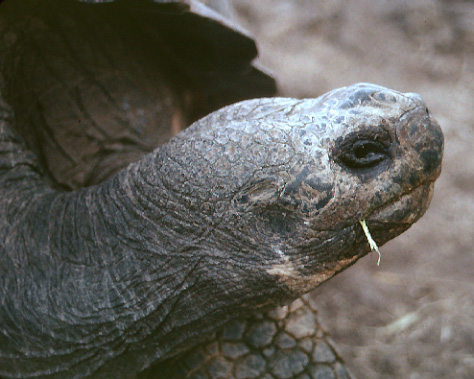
[287, 342]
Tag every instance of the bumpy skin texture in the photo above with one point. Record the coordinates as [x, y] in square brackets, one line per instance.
[287, 342]
[251, 206]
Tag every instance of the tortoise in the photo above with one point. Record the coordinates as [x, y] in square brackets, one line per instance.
[134, 246]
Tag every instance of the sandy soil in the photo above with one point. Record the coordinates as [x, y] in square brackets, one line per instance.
[412, 317]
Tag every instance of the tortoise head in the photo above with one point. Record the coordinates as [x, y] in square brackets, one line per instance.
[253, 205]
[291, 179]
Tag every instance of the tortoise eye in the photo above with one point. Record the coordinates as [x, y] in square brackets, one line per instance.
[363, 153]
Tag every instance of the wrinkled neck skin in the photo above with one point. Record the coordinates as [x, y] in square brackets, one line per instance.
[110, 268]
[248, 208]
[116, 266]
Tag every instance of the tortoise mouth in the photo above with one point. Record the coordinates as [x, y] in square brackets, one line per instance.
[393, 218]
[405, 209]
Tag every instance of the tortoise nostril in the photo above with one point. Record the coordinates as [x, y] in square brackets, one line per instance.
[430, 149]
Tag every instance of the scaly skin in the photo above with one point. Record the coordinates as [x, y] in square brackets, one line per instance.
[251, 206]
[287, 342]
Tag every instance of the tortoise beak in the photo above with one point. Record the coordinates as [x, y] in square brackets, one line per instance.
[425, 140]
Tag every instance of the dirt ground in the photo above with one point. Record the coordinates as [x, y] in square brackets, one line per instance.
[412, 317]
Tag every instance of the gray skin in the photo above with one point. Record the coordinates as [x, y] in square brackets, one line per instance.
[247, 209]
[357, 153]
[251, 206]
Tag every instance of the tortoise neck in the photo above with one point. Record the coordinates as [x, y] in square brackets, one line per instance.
[103, 268]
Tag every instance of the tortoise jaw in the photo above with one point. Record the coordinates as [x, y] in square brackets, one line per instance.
[406, 209]
[394, 218]
[385, 223]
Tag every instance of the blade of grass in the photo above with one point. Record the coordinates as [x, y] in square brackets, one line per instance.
[372, 244]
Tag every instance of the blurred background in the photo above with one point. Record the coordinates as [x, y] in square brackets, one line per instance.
[412, 317]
